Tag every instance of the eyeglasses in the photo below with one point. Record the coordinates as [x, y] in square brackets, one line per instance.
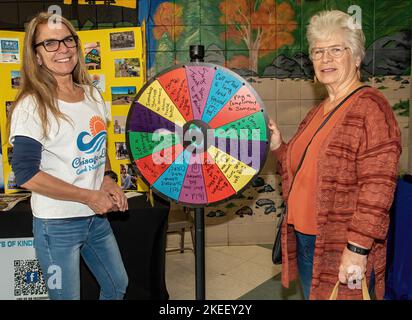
[333, 51]
[52, 45]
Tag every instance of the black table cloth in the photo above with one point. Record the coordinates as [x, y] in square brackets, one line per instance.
[140, 234]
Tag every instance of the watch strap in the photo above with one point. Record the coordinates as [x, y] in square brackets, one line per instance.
[357, 249]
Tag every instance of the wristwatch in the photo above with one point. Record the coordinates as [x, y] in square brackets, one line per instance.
[111, 174]
[357, 249]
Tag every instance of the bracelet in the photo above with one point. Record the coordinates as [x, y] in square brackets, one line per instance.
[357, 249]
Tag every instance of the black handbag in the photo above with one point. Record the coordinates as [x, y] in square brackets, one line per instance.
[277, 245]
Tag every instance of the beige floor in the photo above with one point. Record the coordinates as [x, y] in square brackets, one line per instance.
[231, 271]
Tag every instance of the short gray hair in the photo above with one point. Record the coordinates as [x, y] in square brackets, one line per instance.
[325, 24]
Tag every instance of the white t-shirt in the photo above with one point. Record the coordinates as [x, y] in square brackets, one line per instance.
[74, 153]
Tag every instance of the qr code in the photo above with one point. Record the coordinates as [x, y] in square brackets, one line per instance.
[28, 278]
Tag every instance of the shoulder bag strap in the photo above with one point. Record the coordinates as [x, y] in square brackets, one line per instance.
[320, 127]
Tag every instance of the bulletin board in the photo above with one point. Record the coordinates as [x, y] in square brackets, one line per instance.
[115, 59]
[11, 54]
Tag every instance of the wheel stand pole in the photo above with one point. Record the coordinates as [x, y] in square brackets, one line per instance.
[200, 253]
[197, 53]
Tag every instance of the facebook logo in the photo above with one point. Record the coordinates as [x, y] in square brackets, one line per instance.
[32, 277]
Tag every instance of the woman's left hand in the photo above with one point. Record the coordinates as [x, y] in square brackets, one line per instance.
[110, 186]
[346, 272]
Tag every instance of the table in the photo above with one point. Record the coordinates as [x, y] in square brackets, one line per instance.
[140, 234]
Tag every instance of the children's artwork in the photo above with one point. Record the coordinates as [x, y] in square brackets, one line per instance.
[123, 95]
[121, 151]
[119, 124]
[122, 41]
[99, 81]
[15, 79]
[9, 51]
[92, 55]
[127, 67]
[128, 177]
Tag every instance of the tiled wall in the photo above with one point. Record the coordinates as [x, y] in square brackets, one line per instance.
[282, 74]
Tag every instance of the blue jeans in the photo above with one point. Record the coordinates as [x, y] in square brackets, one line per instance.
[59, 243]
[305, 244]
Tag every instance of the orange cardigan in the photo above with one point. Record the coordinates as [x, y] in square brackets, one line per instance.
[355, 182]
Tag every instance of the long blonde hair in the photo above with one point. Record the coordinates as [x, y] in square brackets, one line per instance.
[39, 82]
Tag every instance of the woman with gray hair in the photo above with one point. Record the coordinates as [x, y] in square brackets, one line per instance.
[339, 171]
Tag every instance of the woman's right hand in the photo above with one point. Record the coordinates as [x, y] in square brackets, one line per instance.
[100, 201]
[275, 136]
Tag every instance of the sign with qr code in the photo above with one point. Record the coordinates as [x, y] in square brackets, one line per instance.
[20, 275]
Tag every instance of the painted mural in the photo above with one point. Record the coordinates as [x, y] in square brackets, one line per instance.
[267, 37]
[264, 41]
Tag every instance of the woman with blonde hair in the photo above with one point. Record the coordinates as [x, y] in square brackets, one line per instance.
[58, 131]
[339, 171]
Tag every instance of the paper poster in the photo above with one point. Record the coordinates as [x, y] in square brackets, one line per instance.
[121, 151]
[15, 79]
[128, 178]
[99, 81]
[119, 124]
[122, 40]
[8, 105]
[127, 67]
[92, 56]
[9, 50]
[123, 95]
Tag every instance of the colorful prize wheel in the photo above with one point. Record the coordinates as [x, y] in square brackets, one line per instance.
[197, 134]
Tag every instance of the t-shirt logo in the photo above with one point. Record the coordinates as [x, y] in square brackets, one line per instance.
[90, 143]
